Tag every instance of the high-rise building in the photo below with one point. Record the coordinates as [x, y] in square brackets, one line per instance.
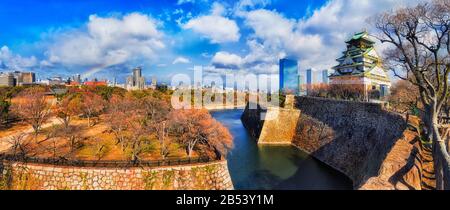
[135, 81]
[19, 78]
[325, 76]
[289, 79]
[28, 78]
[361, 66]
[7, 79]
[309, 77]
[77, 78]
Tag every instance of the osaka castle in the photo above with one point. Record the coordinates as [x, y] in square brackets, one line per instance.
[361, 65]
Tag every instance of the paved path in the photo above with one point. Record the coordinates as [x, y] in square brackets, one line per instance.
[4, 141]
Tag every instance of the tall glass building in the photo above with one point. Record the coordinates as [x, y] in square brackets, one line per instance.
[289, 79]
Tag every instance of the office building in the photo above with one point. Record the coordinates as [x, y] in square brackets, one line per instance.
[7, 79]
[289, 78]
[136, 81]
[325, 79]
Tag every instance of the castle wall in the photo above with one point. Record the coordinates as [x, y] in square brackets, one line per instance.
[352, 137]
[29, 176]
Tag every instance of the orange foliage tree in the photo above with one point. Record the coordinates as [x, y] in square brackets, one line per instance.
[91, 105]
[68, 107]
[347, 92]
[198, 127]
[404, 97]
[32, 106]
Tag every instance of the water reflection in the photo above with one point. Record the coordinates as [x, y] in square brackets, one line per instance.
[274, 167]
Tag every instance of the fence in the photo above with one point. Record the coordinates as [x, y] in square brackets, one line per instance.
[105, 163]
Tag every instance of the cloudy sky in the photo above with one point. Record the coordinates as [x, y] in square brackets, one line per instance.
[106, 38]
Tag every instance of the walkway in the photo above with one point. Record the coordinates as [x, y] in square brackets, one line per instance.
[5, 141]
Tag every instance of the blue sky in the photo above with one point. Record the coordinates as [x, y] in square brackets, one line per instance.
[106, 38]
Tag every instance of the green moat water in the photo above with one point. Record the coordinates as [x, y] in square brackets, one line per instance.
[274, 167]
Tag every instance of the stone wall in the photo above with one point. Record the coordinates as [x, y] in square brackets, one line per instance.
[275, 119]
[352, 137]
[28, 176]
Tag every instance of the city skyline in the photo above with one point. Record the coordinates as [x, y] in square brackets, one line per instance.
[172, 41]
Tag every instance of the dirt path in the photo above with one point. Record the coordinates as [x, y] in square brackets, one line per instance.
[4, 141]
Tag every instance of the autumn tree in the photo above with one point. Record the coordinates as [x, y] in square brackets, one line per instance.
[404, 98]
[346, 92]
[198, 127]
[67, 108]
[219, 138]
[419, 52]
[117, 115]
[318, 90]
[18, 145]
[128, 121]
[138, 132]
[91, 105]
[4, 110]
[156, 111]
[32, 106]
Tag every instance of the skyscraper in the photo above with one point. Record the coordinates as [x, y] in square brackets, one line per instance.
[325, 76]
[289, 79]
[309, 79]
[135, 81]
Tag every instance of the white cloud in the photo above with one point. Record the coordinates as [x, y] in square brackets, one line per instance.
[226, 60]
[10, 61]
[107, 42]
[316, 40]
[217, 28]
[180, 2]
[181, 60]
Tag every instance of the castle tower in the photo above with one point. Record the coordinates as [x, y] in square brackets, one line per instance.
[361, 65]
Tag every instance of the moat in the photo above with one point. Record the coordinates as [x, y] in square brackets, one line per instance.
[254, 167]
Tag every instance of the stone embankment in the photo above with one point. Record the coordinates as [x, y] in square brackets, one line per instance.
[361, 140]
[29, 176]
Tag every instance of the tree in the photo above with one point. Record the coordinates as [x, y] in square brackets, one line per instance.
[347, 92]
[117, 117]
[404, 98]
[4, 111]
[32, 106]
[156, 111]
[127, 119]
[68, 107]
[420, 48]
[18, 145]
[219, 137]
[91, 105]
[138, 131]
[318, 90]
[198, 127]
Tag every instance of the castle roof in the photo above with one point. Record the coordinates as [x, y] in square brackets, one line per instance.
[361, 36]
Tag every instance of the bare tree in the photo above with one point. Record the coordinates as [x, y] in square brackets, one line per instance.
[32, 106]
[420, 47]
[91, 106]
[67, 108]
[163, 137]
[18, 144]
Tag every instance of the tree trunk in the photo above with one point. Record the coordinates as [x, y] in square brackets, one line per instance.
[441, 157]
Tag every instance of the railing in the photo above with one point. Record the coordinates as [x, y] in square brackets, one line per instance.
[106, 163]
